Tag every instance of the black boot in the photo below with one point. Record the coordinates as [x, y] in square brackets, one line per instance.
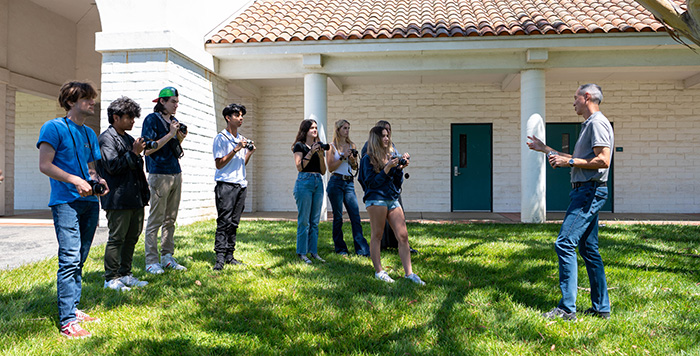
[219, 265]
[232, 261]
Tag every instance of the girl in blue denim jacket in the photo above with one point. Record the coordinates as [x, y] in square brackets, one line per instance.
[381, 175]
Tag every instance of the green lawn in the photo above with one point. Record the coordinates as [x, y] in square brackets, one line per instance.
[486, 288]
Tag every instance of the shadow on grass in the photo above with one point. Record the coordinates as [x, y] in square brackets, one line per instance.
[480, 277]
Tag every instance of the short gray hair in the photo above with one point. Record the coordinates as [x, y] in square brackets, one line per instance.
[594, 90]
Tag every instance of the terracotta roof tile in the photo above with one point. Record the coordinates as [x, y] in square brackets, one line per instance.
[314, 20]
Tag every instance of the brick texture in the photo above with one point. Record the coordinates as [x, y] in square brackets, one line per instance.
[659, 138]
[140, 76]
[31, 186]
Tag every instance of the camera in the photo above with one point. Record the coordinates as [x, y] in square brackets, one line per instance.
[250, 145]
[354, 152]
[325, 146]
[402, 161]
[97, 187]
[150, 144]
[183, 129]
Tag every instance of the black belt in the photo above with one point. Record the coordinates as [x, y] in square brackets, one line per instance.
[343, 177]
[594, 183]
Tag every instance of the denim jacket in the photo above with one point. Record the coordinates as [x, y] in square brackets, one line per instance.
[379, 186]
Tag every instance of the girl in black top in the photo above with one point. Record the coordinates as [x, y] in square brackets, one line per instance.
[308, 189]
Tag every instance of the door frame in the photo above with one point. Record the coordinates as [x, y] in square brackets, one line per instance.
[452, 127]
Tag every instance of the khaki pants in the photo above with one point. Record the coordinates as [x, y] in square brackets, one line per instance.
[166, 190]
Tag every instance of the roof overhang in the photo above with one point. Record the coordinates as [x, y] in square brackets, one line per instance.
[502, 56]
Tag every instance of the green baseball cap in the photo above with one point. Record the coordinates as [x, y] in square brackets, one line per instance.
[166, 93]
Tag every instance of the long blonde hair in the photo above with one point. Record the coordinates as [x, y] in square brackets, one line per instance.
[378, 154]
[336, 138]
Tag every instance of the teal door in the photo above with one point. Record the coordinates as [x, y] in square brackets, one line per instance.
[562, 137]
[471, 169]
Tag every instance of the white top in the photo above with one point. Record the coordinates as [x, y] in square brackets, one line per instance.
[234, 171]
[344, 167]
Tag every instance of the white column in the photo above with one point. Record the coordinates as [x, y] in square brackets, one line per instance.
[316, 108]
[532, 164]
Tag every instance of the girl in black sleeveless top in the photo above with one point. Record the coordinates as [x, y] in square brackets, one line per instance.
[308, 189]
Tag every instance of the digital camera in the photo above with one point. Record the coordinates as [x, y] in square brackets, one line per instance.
[250, 145]
[354, 152]
[183, 129]
[97, 187]
[325, 146]
[150, 144]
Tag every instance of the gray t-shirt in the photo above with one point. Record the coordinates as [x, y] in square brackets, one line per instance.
[596, 131]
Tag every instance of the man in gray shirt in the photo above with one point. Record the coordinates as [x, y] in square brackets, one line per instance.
[589, 164]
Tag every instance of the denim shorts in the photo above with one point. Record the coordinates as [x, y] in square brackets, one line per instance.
[389, 204]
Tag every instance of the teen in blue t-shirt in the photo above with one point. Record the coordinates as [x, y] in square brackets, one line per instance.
[67, 153]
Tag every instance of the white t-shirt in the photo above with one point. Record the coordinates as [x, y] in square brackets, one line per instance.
[234, 171]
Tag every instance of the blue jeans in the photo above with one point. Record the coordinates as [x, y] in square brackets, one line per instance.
[308, 192]
[580, 228]
[75, 225]
[343, 191]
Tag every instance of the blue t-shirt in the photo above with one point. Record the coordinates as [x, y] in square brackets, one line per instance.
[75, 147]
[165, 160]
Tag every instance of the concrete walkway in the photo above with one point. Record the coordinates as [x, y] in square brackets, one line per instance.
[29, 236]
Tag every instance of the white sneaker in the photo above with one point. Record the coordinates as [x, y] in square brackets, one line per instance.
[383, 276]
[304, 259]
[167, 261]
[415, 279]
[154, 268]
[117, 285]
[131, 281]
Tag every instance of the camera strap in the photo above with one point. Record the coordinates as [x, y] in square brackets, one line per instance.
[75, 146]
[177, 149]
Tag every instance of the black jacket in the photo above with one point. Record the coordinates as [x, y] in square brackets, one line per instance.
[123, 171]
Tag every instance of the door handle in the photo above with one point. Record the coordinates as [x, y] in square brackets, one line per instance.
[456, 171]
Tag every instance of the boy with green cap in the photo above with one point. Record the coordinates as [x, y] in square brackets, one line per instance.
[164, 180]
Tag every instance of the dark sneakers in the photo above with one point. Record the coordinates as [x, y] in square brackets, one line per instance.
[557, 313]
[593, 312]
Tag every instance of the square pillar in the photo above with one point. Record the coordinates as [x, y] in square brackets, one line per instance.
[140, 75]
[7, 149]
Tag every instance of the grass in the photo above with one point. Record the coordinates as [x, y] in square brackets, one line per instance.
[487, 286]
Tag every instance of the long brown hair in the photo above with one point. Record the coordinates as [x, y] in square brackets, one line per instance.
[336, 139]
[304, 128]
[376, 151]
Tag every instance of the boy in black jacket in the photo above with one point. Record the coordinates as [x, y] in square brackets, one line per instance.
[122, 167]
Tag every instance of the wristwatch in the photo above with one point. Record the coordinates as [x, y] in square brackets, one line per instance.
[571, 162]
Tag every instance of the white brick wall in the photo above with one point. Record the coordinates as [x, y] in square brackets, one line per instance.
[421, 117]
[140, 76]
[32, 188]
[655, 173]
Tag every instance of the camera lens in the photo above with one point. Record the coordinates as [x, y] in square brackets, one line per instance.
[151, 145]
[97, 187]
[183, 128]
[325, 146]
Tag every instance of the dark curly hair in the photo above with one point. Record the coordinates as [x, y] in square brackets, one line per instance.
[123, 106]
